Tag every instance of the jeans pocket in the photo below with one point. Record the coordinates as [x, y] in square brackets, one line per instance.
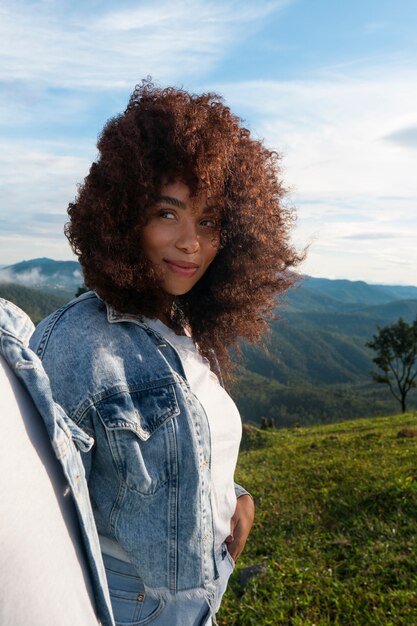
[131, 605]
[230, 559]
[225, 567]
[127, 606]
[131, 609]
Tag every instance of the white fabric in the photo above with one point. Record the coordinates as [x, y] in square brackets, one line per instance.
[113, 548]
[225, 426]
[44, 578]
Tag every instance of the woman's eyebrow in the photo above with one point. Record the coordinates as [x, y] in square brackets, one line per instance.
[181, 205]
[172, 201]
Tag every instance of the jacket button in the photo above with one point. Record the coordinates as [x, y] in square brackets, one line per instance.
[140, 597]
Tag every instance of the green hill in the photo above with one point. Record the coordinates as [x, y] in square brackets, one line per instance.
[357, 292]
[35, 302]
[315, 366]
[335, 529]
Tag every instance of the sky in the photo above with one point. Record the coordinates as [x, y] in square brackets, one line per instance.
[332, 86]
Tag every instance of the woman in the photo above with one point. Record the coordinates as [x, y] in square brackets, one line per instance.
[182, 234]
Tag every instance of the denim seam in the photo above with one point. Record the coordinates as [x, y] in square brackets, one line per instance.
[117, 508]
[173, 511]
[48, 330]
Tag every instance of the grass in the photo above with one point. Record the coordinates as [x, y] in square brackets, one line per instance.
[336, 526]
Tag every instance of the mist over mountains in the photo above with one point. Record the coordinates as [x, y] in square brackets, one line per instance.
[314, 367]
[313, 294]
[38, 273]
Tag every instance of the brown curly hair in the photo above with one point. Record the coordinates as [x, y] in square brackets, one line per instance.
[166, 135]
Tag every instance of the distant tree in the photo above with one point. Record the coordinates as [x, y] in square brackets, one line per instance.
[267, 422]
[81, 290]
[396, 356]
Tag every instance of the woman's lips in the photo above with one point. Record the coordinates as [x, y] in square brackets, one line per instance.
[183, 268]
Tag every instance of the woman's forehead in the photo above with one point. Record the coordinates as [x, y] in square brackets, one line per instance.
[180, 195]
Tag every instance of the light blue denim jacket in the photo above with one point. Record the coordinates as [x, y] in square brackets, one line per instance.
[66, 440]
[149, 472]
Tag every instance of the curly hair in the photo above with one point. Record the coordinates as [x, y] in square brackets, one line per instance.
[168, 135]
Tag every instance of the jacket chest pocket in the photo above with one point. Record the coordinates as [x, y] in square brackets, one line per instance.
[141, 435]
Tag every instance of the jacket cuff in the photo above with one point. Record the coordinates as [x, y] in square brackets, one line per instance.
[240, 491]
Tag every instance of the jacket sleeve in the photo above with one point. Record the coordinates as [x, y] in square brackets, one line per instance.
[87, 428]
[86, 458]
[241, 491]
[68, 392]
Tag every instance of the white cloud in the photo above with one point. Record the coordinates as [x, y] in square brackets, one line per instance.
[332, 131]
[37, 179]
[35, 277]
[406, 137]
[346, 134]
[184, 14]
[57, 59]
[31, 277]
[347, 177]
[15, 247]
[116, 48]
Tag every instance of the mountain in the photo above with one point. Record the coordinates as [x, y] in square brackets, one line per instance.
[314, 366]
[327, 294]
[44, 273]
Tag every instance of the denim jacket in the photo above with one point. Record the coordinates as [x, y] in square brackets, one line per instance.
[149, 472]
[65, 437]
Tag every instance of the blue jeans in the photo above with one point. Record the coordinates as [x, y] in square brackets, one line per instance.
[133, 607]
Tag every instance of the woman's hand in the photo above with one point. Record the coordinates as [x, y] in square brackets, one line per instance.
[240, 526]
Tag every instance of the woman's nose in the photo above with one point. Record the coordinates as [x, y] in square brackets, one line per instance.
[187, 239]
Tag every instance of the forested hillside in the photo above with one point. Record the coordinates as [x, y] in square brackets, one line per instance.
[35, 302]
[314, 366]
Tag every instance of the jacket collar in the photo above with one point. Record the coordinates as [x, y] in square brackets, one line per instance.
[114, 316]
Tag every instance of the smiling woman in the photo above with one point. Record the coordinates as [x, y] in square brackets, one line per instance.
[182, 235]
[167, 136]
[181, 238]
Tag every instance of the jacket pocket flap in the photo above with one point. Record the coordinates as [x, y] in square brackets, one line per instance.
[142, 411]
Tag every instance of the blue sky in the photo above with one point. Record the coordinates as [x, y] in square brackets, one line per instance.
[332, 86]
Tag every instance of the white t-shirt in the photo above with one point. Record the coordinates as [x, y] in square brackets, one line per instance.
[225, 426]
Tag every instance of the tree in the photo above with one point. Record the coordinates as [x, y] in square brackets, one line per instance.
[396, 356]
[81, 290]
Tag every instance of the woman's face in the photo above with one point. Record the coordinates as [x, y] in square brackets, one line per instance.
[181, 237]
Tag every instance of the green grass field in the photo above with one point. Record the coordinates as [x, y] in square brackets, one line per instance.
[336, 526]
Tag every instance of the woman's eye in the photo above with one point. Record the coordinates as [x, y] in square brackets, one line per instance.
[166, 214]
[209, 223]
